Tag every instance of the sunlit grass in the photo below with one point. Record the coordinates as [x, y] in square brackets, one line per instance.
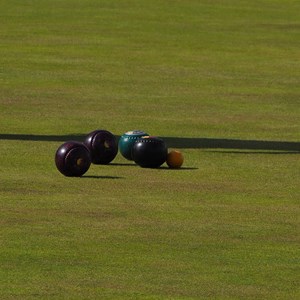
[225, 226]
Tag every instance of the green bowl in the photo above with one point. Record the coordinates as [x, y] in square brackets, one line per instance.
[127, 141]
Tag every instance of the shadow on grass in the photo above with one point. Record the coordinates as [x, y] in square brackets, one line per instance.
[40, 137]
[212, 143]
[178, 142]
[177, 169]
[123, 165]
[274, 152]
[101, 177]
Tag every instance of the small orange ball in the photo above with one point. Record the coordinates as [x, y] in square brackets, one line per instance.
[175, 159]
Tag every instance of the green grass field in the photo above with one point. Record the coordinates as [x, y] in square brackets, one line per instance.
[226, 225]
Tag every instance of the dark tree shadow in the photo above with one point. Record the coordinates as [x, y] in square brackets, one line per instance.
[39, 137]
[212, 143]
[251, 152]
[178, 142]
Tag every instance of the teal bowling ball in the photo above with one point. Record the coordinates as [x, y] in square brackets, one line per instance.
[127, 141]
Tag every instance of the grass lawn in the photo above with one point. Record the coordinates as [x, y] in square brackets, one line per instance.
[226, 225]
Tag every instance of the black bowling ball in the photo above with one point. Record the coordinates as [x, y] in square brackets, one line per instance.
[149, 152]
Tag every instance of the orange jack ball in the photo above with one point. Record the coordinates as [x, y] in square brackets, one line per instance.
[175, 159]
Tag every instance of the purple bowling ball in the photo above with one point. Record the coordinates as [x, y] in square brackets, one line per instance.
[103, 146]
[72, 159]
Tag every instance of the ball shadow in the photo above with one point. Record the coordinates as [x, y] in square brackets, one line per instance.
[101, 177]
[177, 169]
[123, 164]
